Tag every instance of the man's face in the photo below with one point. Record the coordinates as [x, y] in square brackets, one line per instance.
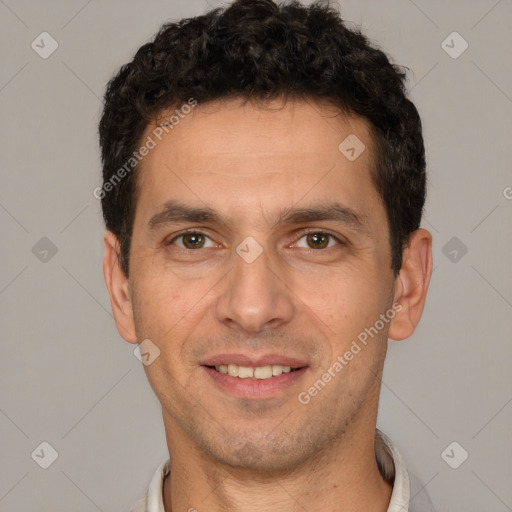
[290, 265]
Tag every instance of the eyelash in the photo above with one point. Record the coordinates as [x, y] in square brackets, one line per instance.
[304, 233]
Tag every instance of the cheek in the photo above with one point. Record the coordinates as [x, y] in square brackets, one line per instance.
[347, 302]
[173, 313]
[167, 313]
[160, 303]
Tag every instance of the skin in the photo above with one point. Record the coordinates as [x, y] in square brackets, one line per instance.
[237, 454]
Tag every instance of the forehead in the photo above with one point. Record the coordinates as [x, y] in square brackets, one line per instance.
[242, 155]
[230, 128]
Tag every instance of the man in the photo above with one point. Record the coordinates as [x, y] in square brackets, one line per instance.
[264, 180]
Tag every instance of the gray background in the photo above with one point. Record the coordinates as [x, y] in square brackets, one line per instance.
[67, 378]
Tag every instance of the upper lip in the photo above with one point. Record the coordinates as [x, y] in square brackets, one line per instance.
[262, 360]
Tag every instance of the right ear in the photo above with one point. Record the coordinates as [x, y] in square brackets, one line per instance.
[118, 285]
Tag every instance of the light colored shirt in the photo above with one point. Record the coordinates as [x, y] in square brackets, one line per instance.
[407, 496]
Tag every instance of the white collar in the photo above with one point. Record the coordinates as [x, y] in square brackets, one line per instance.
[153, 501]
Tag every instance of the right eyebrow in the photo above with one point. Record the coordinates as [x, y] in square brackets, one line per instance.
[175, 211]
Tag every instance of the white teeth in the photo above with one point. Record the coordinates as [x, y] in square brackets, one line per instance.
[248, 372]
[245, 372]
[277, 369]
[263, 372]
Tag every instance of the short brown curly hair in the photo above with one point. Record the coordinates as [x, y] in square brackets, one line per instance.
[257, 49]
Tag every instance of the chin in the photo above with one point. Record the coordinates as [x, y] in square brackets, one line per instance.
[261, 452]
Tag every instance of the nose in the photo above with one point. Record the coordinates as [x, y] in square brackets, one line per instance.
[254, 298]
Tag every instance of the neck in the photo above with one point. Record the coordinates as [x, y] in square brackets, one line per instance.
[343, 477]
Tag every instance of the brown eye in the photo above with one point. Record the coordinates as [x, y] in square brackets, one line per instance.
[192, 240]
[318, 240]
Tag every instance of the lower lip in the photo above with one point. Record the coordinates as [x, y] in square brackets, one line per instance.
[255, 388]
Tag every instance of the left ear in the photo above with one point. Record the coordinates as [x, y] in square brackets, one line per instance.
[411, 284]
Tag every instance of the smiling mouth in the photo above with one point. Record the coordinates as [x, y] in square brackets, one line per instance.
[253, 372]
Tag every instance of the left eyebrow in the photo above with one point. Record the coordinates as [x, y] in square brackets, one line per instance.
[336, 212]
